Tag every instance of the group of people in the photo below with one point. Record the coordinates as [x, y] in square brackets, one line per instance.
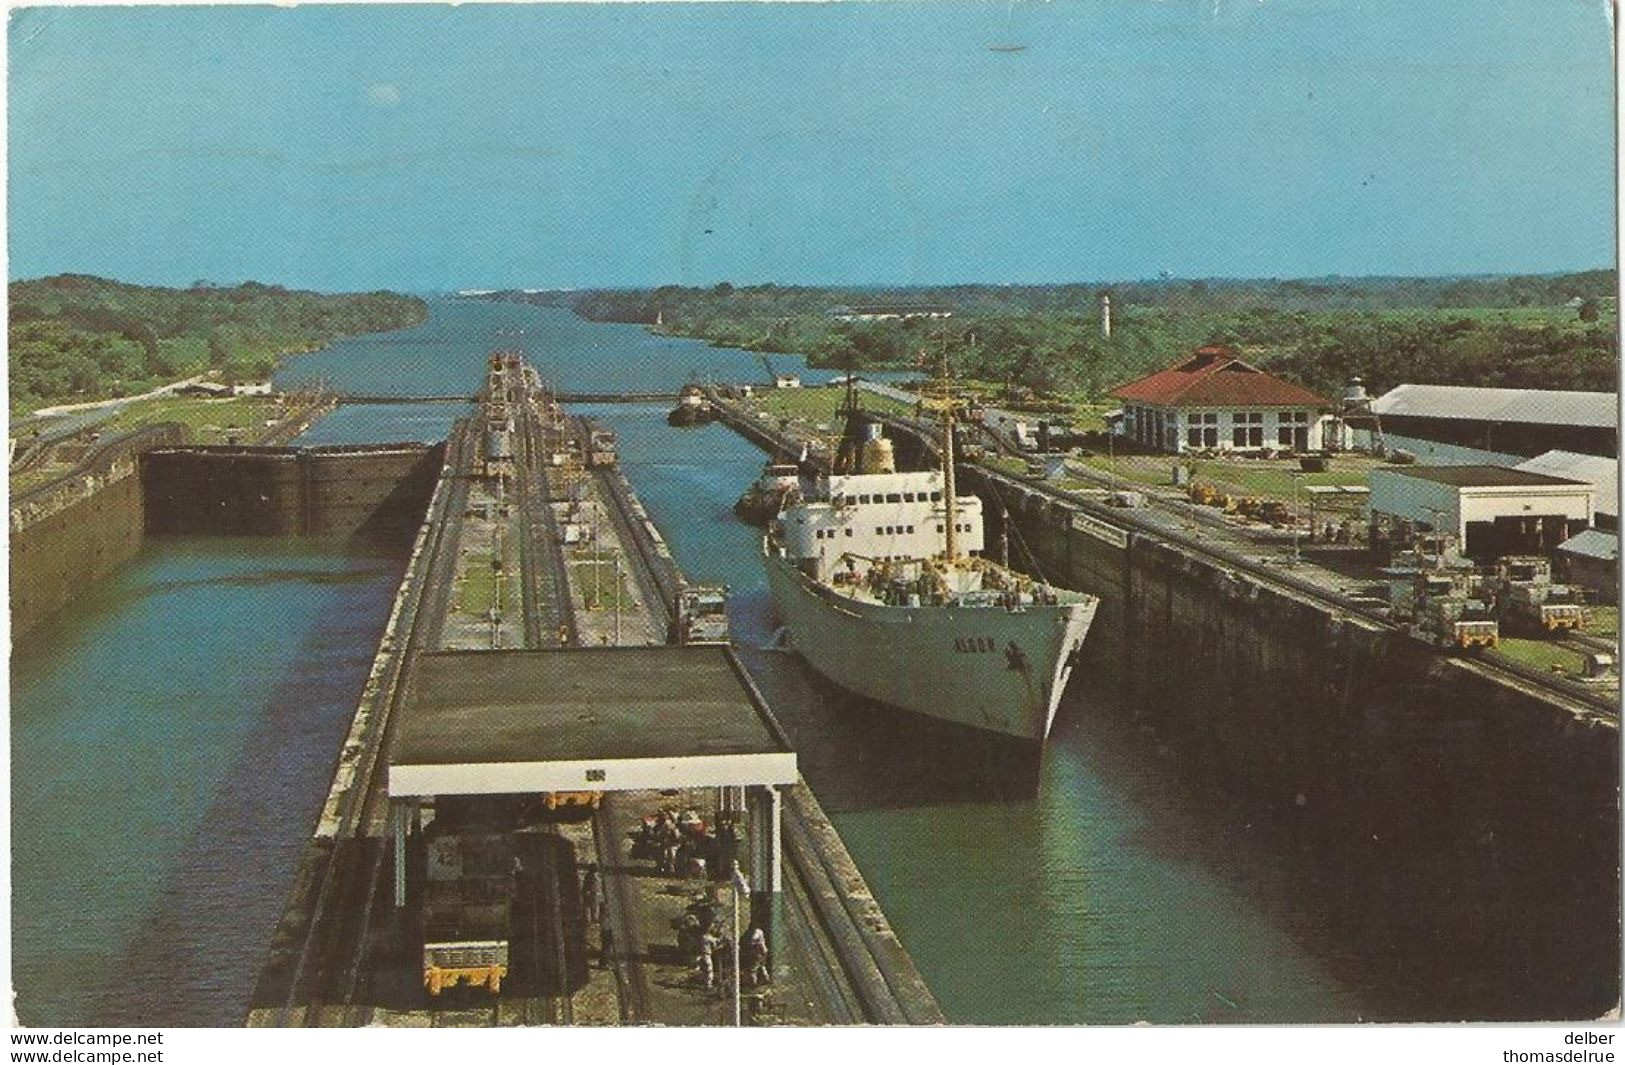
[682, 844]
[702, 939]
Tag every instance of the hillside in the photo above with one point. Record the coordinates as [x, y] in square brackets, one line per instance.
[76, 337]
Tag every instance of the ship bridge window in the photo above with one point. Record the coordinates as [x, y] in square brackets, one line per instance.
[849, 532]
[894, 497]
[863, 499]
[908, 497]
[911, 528]
[936, 497]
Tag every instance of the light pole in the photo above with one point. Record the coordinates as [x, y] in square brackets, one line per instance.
[1297, 479]
[740, 886]
[617, 600]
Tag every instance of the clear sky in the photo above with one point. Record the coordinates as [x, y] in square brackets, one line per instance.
[444, 147]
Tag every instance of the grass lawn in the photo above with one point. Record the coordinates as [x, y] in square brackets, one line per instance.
[1604, 621]
[597, 581]
[1541, 654]
[479, 586]
[210, 420]
[1254, 477]
[817, 405]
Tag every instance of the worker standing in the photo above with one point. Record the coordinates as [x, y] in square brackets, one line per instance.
[753, 952]
[709, 944]
[590, 901]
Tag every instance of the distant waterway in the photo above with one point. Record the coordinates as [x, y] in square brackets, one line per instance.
[446, 355]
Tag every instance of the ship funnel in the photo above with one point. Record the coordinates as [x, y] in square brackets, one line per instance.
[877, 454]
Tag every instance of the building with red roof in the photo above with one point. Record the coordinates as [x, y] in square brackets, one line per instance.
[1213, 401]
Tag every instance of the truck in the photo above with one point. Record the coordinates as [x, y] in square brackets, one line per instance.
[1447, 609]
[1528, 600]
[702, 614]
[467, 908]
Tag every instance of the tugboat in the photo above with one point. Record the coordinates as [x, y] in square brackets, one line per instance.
[777, 487]
[880, 586]
[692, 408]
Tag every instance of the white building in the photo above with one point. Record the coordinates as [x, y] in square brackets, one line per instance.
[1602, 474]
[1491, 510]
[1213, 401]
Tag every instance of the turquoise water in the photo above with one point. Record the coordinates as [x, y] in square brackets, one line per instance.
[171, 741]
[446, 355]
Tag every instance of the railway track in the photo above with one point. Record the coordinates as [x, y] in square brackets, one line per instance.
[642, 565]
[632, 987]
[330, 963]
[549, 610]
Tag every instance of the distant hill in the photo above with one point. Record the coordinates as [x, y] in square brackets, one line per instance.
[79, 337]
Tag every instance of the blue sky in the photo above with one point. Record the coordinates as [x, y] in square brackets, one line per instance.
[440, 147]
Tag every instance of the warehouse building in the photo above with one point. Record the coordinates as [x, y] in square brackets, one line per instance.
[1213, 401]
[1601, 473]
[1591, 560]
[1499, 426]
[1491, 510]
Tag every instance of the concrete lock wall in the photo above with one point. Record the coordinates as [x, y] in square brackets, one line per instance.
[286, 491]
[69, 534]
[66, 538]
[61, 553]
[1429, 808]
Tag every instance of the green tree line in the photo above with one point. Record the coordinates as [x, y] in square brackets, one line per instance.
[1546, 331]
[79, 337]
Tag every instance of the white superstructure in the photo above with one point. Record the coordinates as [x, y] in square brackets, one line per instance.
[880, 585]
[877, 516]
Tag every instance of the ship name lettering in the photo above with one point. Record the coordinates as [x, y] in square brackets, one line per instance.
[973, 644]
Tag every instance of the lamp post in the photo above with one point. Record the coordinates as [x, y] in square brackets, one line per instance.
[1297, 479]
[617, 600]
[740, 886]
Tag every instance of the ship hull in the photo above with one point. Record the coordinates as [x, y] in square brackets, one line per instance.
[989, 668]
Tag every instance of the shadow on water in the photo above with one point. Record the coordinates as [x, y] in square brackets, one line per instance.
[193, 957]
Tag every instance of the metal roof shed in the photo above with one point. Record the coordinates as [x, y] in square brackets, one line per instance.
[1516, 405]
[1602, 473]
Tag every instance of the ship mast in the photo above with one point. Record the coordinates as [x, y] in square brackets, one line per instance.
[949, 494]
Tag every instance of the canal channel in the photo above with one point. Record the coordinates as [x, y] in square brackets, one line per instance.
[172, 738]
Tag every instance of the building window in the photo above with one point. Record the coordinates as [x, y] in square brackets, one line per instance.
[1292, 429]
[1247, 429]
[1207, 425]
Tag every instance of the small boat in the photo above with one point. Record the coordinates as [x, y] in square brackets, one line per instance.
[692, 408]
[777, 487]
